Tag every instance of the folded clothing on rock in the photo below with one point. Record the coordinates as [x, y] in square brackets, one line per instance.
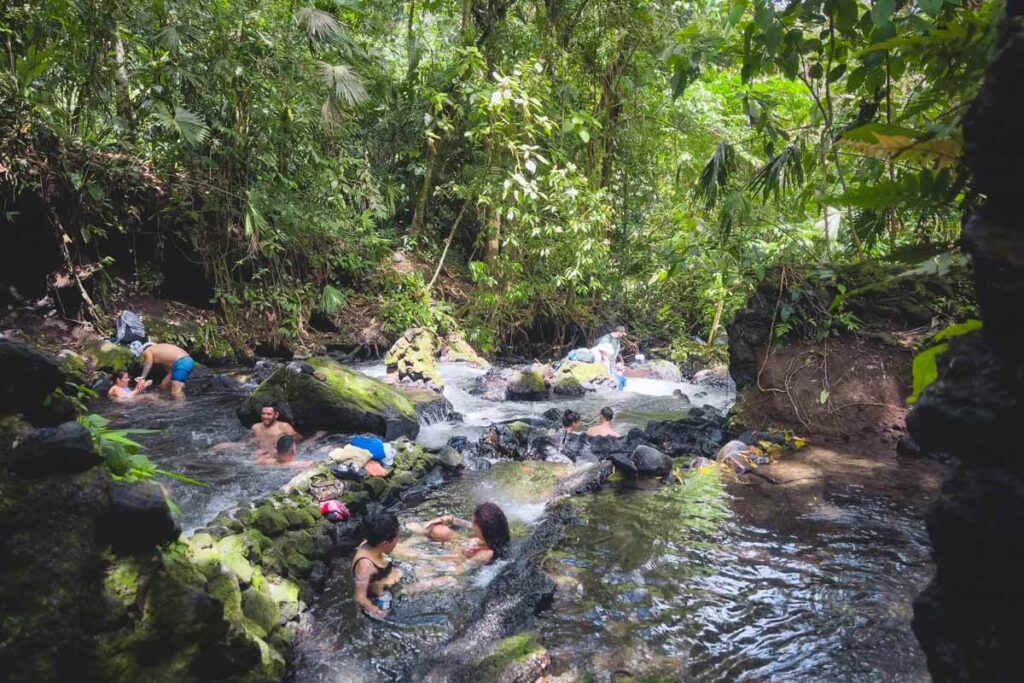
[350, 455]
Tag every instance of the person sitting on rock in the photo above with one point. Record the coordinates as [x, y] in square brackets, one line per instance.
[490, 533]
[270, 426]
[604, 424]
[283, 454]
[121, 389]
[174, 359]
[374, 572]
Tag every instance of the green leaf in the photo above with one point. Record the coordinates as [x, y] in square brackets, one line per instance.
[958, 329]
[836, 73]
[584, 134]
[882, 11]
[736, 12]
[925, 370]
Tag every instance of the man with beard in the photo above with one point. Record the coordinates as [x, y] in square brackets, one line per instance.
[270, 427]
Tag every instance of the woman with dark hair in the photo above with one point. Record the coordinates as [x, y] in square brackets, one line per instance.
[121, 389]
[490, 532]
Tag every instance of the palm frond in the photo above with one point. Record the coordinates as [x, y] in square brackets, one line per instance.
[332, 300]
[714, 178]
[191, 127]
[320, 26]
[782, 174]
[343, 82]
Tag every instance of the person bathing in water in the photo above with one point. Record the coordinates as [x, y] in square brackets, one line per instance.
[121, 390]
[490, 533]
[174, 359]
[270, 425]
[604, 424]
[374, 572]
[282, 454]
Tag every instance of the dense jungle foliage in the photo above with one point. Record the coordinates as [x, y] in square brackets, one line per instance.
[548, 165]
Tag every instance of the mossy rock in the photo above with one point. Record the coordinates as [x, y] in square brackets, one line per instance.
[412, 359]
[260, 609]
[574, 378]
[323, 394]
[106, 356]
[455, 349]
[269, 520]
[527, 385]
[516, 659]
[73, 366]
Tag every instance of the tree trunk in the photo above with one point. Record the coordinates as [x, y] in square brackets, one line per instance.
[719, 307]
[467, 18]
[124, 104]
[419, 214]
[493, 237]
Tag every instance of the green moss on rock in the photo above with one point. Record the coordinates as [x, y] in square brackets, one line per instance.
[335, 398]
[574, 378]
[516, 658]
[260, 609]
[105, 356]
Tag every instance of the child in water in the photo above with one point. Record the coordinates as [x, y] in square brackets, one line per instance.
[490, 533]
[374, 571]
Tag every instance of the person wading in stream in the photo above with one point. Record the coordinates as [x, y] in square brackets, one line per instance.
[174, 359]
[374, 571]
[604, 425]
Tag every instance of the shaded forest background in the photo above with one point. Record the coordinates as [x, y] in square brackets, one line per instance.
[526, 170]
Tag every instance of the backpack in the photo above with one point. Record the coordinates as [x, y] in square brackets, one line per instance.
[128, 329]
[581, 355]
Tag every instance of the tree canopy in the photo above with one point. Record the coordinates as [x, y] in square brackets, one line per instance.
[569, 161]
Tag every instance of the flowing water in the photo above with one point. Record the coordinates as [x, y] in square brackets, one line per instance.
[702, 581]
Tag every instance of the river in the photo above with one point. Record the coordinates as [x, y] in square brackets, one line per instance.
[711, 580]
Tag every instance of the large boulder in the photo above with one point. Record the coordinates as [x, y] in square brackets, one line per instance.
[412, 359]
[64, 449]
[702, 432]
[29, 376]
[650, 462]
[320, 393]
[527, 384]
[431, 406]
[455, 349]
[573, 378]
[493, 385]
[139, 517]
[655, 369]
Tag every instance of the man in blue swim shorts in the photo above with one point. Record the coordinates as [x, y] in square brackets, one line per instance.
[175, 359]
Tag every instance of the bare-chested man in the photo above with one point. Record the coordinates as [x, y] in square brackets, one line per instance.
[604, 424]
[270, 427]
[174, 359]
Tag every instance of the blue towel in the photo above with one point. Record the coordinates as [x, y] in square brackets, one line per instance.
[370, 443]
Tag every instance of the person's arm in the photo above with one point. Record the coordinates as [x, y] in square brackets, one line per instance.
[450, 520]
[147, 356]
[364, 570]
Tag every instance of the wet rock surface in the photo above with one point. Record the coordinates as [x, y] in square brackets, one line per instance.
[967, 620]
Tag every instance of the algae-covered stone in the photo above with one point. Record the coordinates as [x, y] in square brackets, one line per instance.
[403, 479]
[449, 458]
[231, 552]
[323, 394]
[260, 609]
[412, 359]
[270, 520]
[225, 588]
[527, 385]
[107, 356]
[455, 349]
[286, 594]
[575, 378]
[516, 659]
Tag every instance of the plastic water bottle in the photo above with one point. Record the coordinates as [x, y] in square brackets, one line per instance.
[384, 601]
[640, 357]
